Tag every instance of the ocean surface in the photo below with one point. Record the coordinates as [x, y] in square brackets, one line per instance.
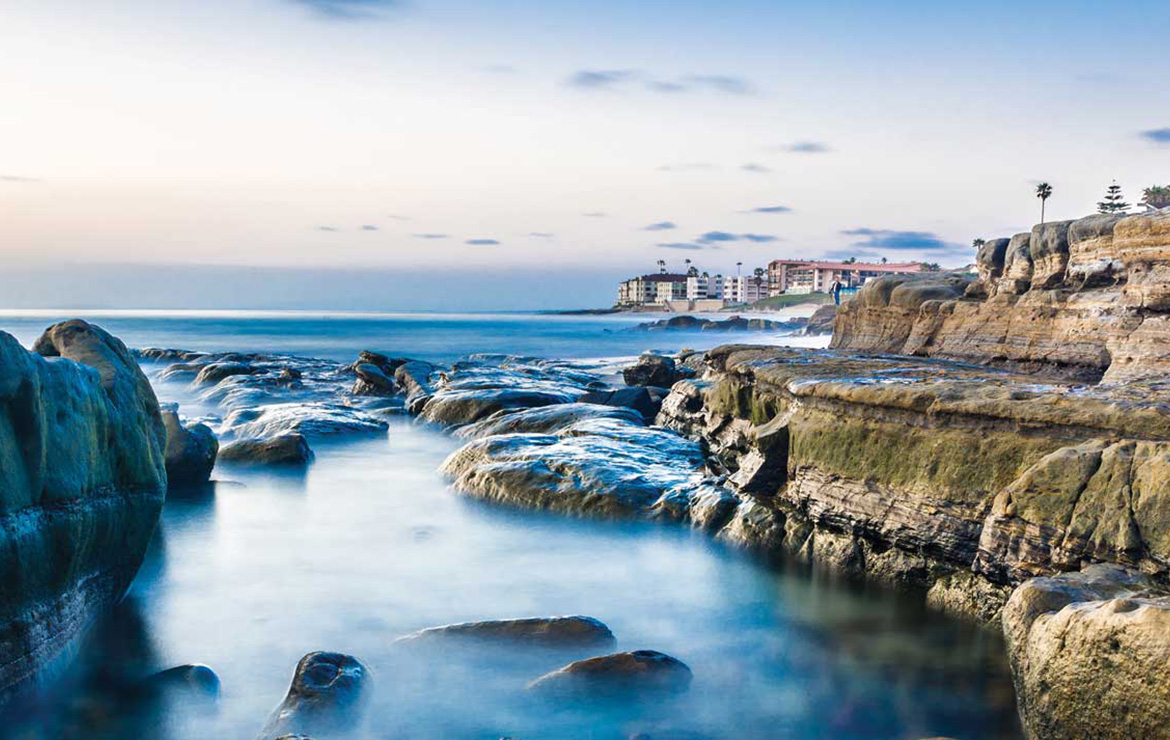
[252, 572]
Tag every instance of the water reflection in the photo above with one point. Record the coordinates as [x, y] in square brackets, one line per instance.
[369, 545]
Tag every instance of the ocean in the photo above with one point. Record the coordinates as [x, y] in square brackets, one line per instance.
[252, 572]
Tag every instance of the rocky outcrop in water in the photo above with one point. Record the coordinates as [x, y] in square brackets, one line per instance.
[627, 675]
[82, 481]
[190, 451]
[548, 632]
[1089, 653]
[1086, 299]
[655, 371]
[283, 449]
[327, 698]
[732, 324]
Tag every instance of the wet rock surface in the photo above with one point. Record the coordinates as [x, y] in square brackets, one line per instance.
[326, 699]
[82, 481]
[620, 675]
[655, 370]
[283, 449]
[1089, 652]
[551, 632]
[191, 450]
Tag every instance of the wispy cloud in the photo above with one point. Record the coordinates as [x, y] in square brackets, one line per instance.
[807, 147]
[481, 242]
[595, 214]
[18, 178]
[1157, 135]
[688, 167]
[712, 237]
[844, 254]
[431, 236]
[369, 227]
[687, 246]
[754, 167]
[593, 79]
[348, 9]
[541, 235]
[771, 209]
[890, 239]
[328, 228]
[610, 79]
[399, 217]
[661, 226]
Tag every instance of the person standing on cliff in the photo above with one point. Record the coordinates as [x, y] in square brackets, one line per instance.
[835, 291]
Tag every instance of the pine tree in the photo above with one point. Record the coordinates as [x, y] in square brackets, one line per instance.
[1114, 201]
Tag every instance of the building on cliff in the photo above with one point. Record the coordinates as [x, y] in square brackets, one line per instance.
[808, 276]
[694, 291]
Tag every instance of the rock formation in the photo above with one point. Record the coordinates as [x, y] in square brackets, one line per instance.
[1087, 299]
[82, 481]
[548, 632]
[283, 449]
[620, 675]
[327, 697]
[190, 451]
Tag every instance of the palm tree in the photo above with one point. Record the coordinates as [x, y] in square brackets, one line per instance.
[978, 243]
[662, 266]
[1043, 192]
[1156, 196]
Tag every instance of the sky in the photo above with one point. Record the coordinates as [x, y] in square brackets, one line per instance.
[454, 154]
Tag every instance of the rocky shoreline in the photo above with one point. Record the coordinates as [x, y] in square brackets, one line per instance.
[1022, 485]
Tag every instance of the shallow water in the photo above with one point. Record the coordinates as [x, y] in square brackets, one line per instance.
[369, 544]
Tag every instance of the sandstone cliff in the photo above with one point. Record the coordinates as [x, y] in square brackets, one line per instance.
[82, 481]
[1088, 299]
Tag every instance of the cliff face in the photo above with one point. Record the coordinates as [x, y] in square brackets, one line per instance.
[1088, 299]
[962, 480]
[82, 482]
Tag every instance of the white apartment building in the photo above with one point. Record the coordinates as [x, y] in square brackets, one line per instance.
[744, 289]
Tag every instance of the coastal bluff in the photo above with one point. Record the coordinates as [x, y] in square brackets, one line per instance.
[1086, 299]
[82, 482]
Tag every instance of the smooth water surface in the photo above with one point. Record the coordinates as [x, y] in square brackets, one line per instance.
[369, 544]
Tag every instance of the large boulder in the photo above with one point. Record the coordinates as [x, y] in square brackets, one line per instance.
[82, 481]
[653, 370]
[821, 322]
[547, 632]
[1090, 655]
[284, 449]
[327, 697]
[646, 400]
[372, 381]
[190, 451]
[629, 675]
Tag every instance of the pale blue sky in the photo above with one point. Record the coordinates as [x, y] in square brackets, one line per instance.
[497, 136]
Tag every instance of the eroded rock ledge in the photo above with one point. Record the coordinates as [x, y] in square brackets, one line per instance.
[82, 482]
[1087, 299]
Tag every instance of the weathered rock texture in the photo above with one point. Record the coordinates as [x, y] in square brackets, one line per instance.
[625, 675]
[963, 480]
[1087, 299]
[327, 697]
[1090, 653]
[190, 452]
[82, 481]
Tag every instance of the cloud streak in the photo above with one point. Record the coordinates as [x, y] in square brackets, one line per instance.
[1157, 135]
[771, 209]
[613, 79]
[481, 242]
[686, 246]
[714, 237]
[18, 178]
[754, 167]
[660, 226]
[807, 147]
[348, 9]
[431, 236]
[889, 239]
[369, 227]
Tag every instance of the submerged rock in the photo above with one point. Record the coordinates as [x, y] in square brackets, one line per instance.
[190, 451]
[327, 697]
[283, 449]
[1090, 655]
[620, 675]
[193, 681]
[549, 632]
[82, 481]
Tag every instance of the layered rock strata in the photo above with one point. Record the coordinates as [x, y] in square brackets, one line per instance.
[1088, 299]
[82, 482]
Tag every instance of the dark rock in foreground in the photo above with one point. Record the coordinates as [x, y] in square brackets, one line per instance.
[82, 481]
[620, 675]
[327, 696]
[193, 681]
[284, 449]
[552, 632]
[1090, 655]
[190, 451]
[645, 400]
